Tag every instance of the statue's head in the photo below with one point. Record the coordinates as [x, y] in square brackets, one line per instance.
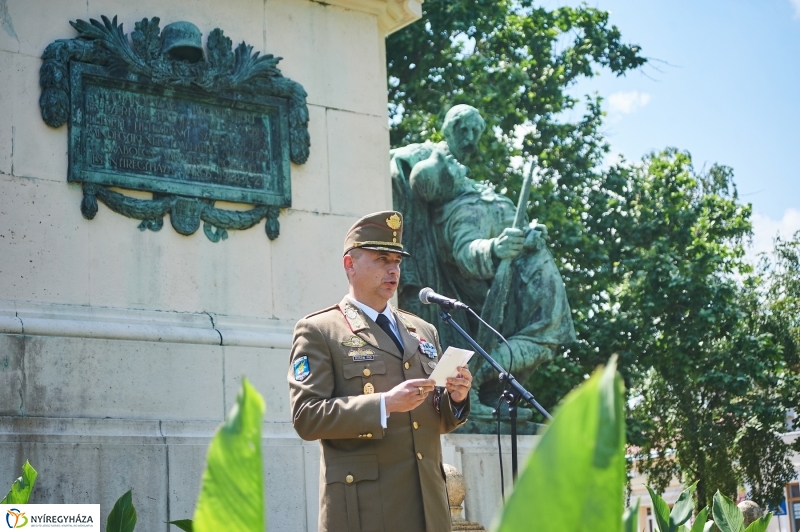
[463, 126]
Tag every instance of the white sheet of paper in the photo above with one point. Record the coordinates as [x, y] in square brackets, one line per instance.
[452, 358]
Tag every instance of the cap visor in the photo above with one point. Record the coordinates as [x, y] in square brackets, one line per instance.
[385, 248]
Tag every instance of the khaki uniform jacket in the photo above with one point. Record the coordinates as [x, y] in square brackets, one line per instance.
[371, 479]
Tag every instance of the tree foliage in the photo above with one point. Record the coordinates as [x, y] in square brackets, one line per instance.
[514, 62]
[652, 253]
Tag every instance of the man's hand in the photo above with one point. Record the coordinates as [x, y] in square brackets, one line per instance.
[509, 244]
[408, 395]
[459, 386]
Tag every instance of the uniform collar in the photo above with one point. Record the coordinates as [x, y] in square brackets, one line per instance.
[372, 313]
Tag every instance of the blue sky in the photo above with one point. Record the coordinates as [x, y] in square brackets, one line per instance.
[723, 83]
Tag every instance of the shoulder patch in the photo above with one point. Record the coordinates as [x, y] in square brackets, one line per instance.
[301, 368]
[333, 307]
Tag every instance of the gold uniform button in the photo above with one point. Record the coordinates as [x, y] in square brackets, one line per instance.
[369, 434]
[419, 456]
[349, 479]
[406, 365]
[367, 372]
[369, 388]
[415, 425]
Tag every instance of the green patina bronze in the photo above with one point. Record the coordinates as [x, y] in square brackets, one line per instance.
[473, 244]
[158, 113]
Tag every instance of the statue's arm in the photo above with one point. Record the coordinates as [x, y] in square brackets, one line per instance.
[471, 253]
[433, 179]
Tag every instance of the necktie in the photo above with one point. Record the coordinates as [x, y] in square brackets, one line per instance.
[383, 323]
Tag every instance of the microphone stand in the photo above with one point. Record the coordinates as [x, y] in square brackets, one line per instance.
[511, 397]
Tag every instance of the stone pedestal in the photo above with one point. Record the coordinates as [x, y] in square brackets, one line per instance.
[475, 455]
[456, 492]
[121, 350]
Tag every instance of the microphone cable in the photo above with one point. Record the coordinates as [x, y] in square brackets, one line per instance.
[500, 452]
[510, 351]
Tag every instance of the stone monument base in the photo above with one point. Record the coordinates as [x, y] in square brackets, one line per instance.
[524, 428]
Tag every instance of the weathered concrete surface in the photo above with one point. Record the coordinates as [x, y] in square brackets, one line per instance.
[122, 350]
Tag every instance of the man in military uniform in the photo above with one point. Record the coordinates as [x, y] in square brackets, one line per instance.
[359, 383]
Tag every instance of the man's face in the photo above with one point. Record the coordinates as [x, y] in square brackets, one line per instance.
[373, 276]
[463, 138]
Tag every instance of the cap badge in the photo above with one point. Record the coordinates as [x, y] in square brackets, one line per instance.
[394, 222]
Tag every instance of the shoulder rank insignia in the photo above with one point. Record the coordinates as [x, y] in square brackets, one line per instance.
[301, 369]
[354, 341]
[427, 348]
[354, 318]
[407, 324]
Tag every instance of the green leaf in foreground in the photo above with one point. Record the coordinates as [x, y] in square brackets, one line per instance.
[701, 522]
[21, 489]
[760, 524]
[183, 524]
[232, 495]
[630, 519]
[660, 511]
[574, 478]
[123, 515]
[727, 515]
[683, 508]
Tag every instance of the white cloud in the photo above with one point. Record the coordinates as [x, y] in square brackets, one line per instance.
[628, 102]
[796, 5]
[765, 229]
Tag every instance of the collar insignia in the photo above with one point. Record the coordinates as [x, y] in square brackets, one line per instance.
[354, 318]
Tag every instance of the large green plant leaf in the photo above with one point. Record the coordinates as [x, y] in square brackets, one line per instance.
[701, 523]
[660, 511]
[630, 519]
[574, 479]
[683, 508]
[759, 525]
[672, 521]
[232, 495]
[183, 524]
[21, 488]
[727, 515]
[123, 515]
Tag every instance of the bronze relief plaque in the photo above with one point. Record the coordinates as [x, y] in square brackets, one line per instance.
[158, 113]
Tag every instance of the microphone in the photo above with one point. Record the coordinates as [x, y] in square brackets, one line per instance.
[429, 297]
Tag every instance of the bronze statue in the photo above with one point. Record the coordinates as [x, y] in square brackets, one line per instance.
[461, 234]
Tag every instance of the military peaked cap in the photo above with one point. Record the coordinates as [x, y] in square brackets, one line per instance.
[380, 231]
